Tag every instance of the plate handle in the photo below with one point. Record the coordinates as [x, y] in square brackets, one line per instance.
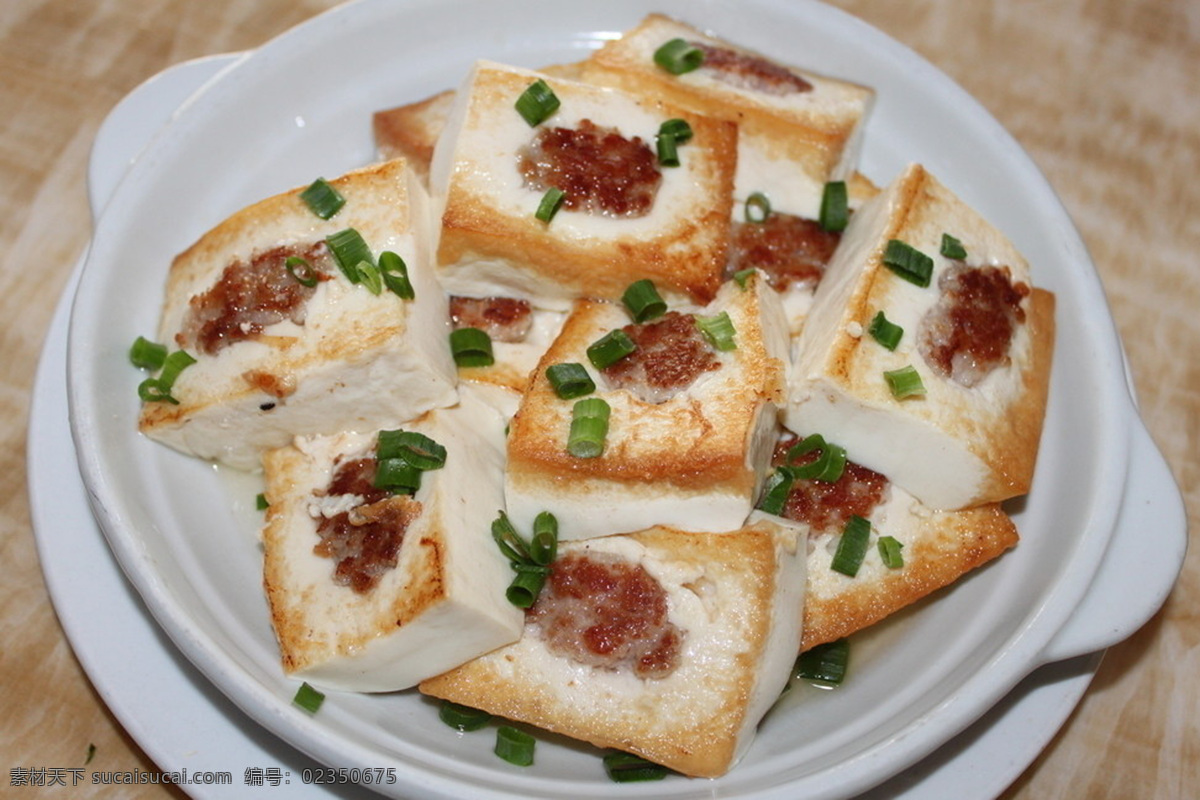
[1143, 560]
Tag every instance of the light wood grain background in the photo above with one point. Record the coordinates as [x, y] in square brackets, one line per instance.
[1102, 93]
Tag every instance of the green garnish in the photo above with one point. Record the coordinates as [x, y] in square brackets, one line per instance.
[322, 199]
[158, 390]
[529, 560]
[952, 247]
[397, 476]
[643, 301]
[537, 102]
[570, 380]
[678, 56]
[260, 502]
[885, 332]
[308, 698]
[394, 272]
[514, 746]
[551, 201]
[743, 275]
[757, 208]
[889, 551]
[671, 134]
[852, 546]
[301, 271]
[904, 382]
[415, 448]
[610, 348]
[908, 262]
[146, 354]
[589, 427]
[628, 768]
[463, 718]
[825, 663]
[349, 250]
[835, 207]
[718, 329]
[829, 464]
[471, 347]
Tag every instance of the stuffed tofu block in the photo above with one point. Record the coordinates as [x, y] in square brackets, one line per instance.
[796, 130]
[664, 643]
[927, 351]
[289, 340]
[689, 400]
[549, 190]
[375, 588]
[873, 548]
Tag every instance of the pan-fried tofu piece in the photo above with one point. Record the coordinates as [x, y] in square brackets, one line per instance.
[277, 358]
[796, 129]
[978, 336]
[683, 676]
[623, 216]
[375, 592]
[690, 429]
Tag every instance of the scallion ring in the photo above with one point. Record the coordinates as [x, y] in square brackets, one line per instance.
[908, 262]
[368, 276]
[537, 102]
[679, 56]
[543, 545]
[628, 768]
[905, 382]
[884, 331]
[643, 301]
[152, 390]
[471, 347]
[952, 247]
[570, 380]
[589, 428]
[147, 355]
[322, 199]
[826, 663]
[308, 698]
[548, 206]
[514, 746]
[610, 348]
[349, 250]
[301, 271]
[414, 447]
[776, 491]
[743, 275]
[889, 552]
[757, 208]
[397, 476]
[852, 546]
[527, 585]
[511, 545]
[394, 272]
[718, 329]
[463, 718]
[835, 207]
[667, 150]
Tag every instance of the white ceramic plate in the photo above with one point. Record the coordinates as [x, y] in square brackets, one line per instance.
[185, 534]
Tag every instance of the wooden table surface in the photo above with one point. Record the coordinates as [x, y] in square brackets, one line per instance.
[1102, 93]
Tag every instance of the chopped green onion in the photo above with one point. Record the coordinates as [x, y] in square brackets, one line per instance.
[610, 348]
[889, 551]
[511, 545]
[828, 466]
[628, 768]
[308, 698]
[260, 502]
[146, 354]
[394, 272]
[415, 448]
[678, 56]
[667, 149]
[158, 390]
[825, 663]
[322, 199]
[543, 546]
[537, 102]
[852, 546]
[743, 275]
[570, 380]
[718, 329]
[904, 382]
[908, 262]
[471, 347]
[678, 129]
[463, 718]
[835, 207]
[884, 331]
[397, 476]
[514, 746]
[776, 491]
[524, 590]
[952, 247]
[589, 427]
[368, 276]
[301, 271]
[152, 390]
[643, 301]
[757, 208]
[349, 250]
[551, 201]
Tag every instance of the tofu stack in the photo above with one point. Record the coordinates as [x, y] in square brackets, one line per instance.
[685, 688]
[974, 331]
[298, 359]
[372, 591]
